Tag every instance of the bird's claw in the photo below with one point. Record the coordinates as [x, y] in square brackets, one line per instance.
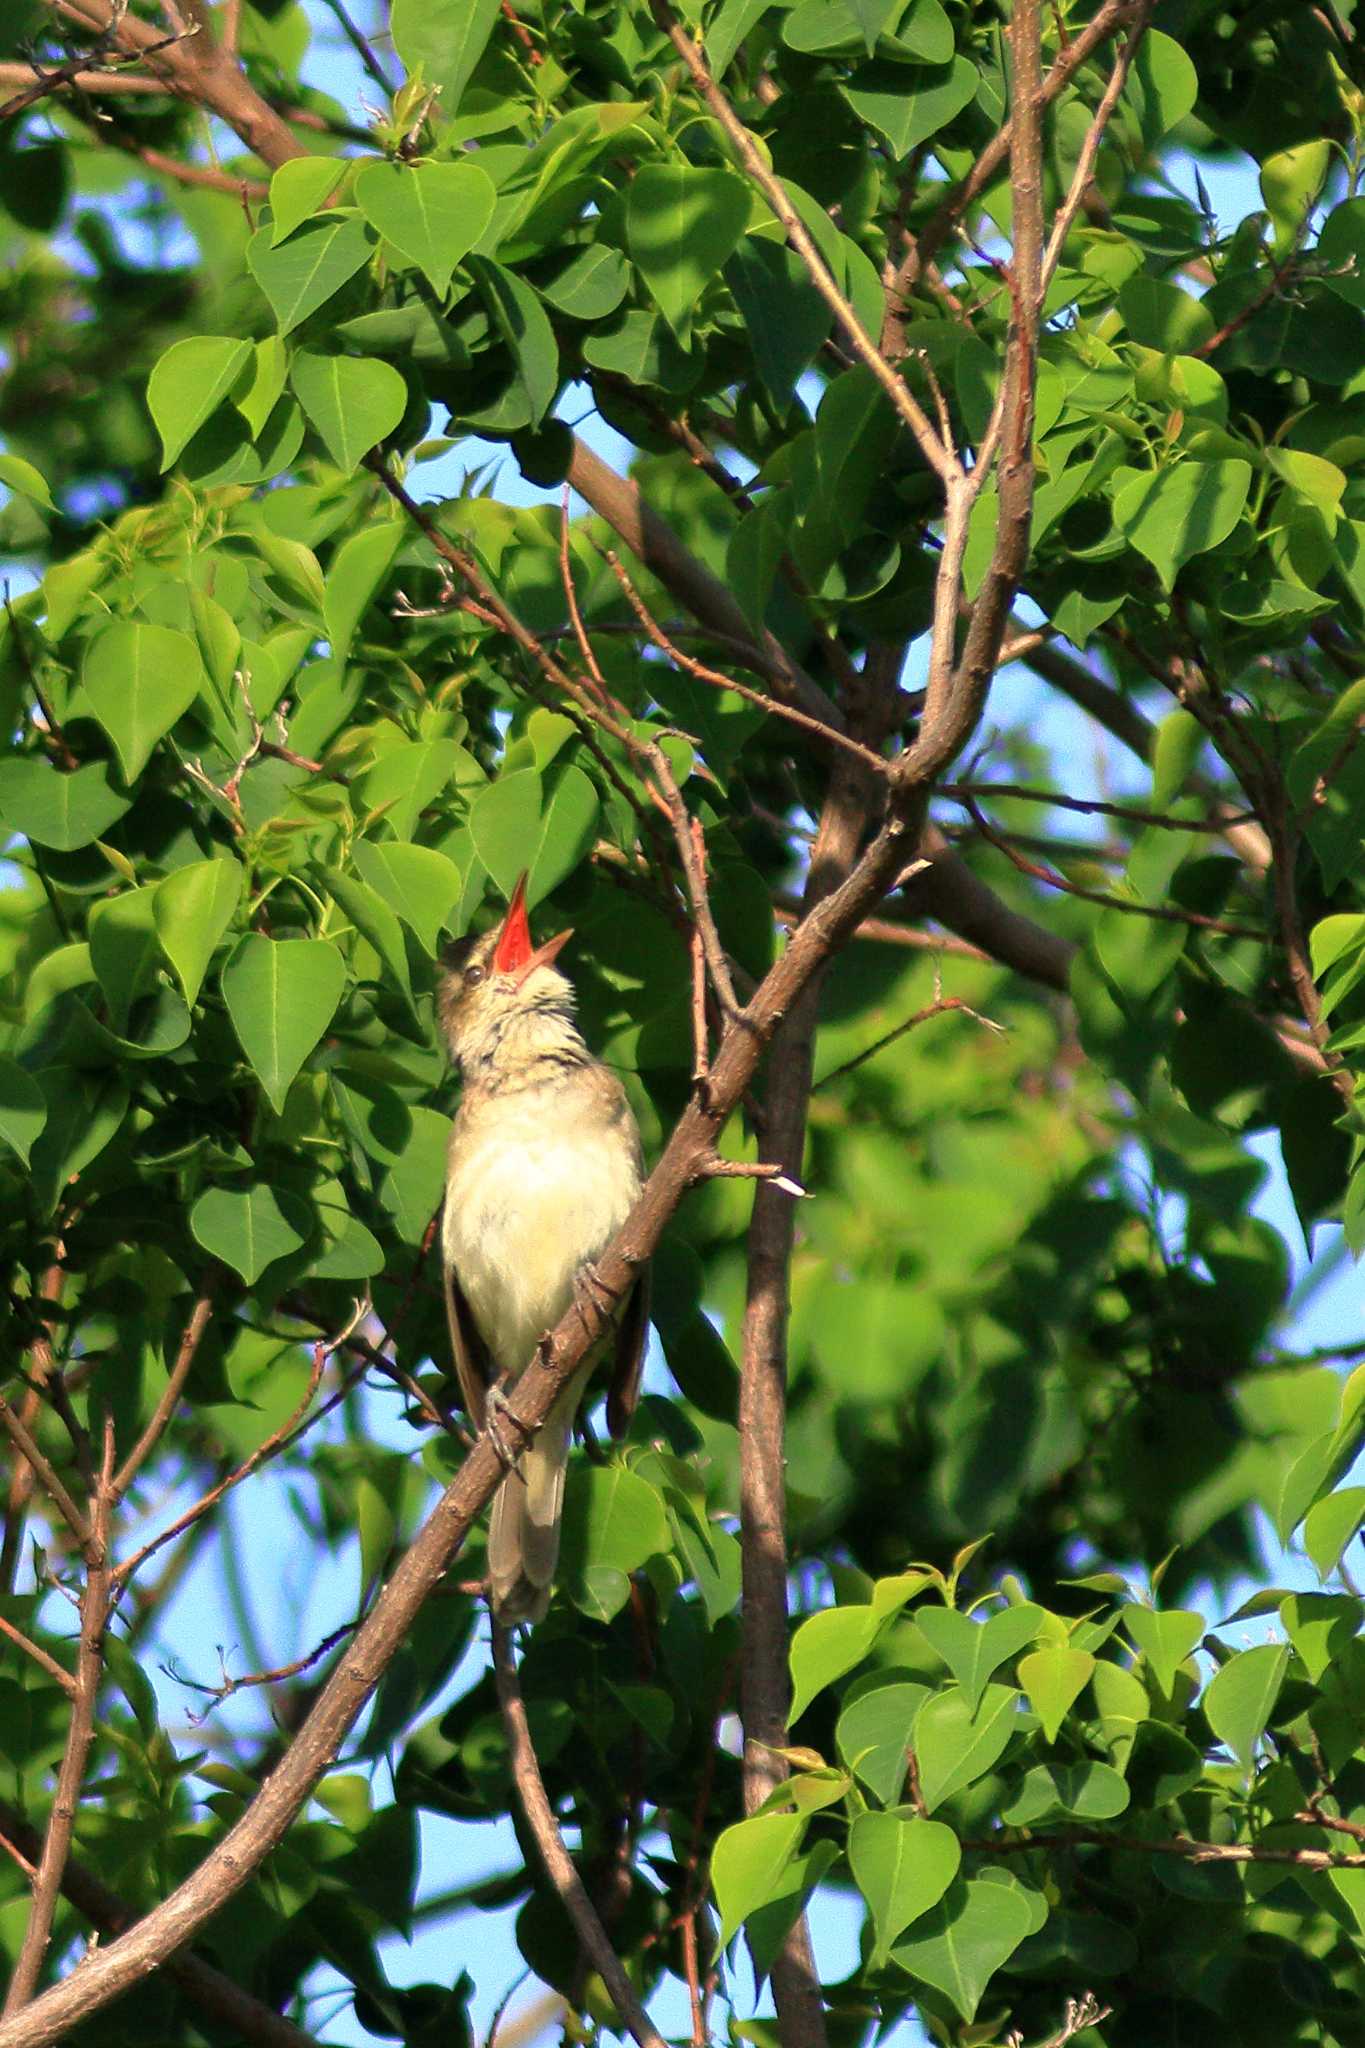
[495, 1410]
[592, 1297]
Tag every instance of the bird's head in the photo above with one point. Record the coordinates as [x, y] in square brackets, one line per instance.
[495, 989]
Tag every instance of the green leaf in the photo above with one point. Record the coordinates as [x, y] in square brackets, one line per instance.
[824, 1647]
[83, 1114]
[873, 1736]
[959, 1945]
[907, 103]
[376, 1525]
[281, 995]
[1163, 85]
[124, 949]
[1090, 1791]
[1329, 1526]
[1161, 316]
[21, 476]
[1322, 1627]
[1241, 1698]
[193, 907]
[729, 28]
[902, 1865]
[270, 372]
[512, 831]
[409, 777]
[591, 285]
[747, 1865]
[1182, 510]
[442, 40]
[188, 383]
[973, 1650]
[23, 1108]
[356, 571]
[304, 272]
[1054, 1679]
[375, 921]
[682, 223]
[785, 318]
[412, 1188]
[246, 1228]
[62, 811]
[352, 401]
[955, 1746]
[423, 886]
[614, 1521]
[1165, 1639]
[297, 191]
[504, 820]
[522, 321]
[432, 213]
[139, 680]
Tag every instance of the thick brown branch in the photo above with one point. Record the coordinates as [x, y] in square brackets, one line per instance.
[204, 1986]
[194, 68]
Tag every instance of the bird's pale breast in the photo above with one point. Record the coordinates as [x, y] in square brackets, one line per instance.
[538, 1187]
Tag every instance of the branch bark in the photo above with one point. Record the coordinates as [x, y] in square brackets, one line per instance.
[559, 1865]
[94, 1612]
[209, 1989]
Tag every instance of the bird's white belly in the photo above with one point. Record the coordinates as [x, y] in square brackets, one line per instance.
[524, 1210]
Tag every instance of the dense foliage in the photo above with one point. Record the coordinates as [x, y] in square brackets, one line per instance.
[268, 748]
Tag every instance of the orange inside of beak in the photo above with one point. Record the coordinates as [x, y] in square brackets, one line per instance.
[514, 954]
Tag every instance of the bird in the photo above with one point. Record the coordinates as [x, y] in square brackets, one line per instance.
[543, 1168]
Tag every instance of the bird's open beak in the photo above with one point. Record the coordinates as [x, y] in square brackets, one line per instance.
[514, 954]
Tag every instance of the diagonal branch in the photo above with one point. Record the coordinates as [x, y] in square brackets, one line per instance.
[257, 2023]
[940, 457]
[559, 1865]
[170, 1394]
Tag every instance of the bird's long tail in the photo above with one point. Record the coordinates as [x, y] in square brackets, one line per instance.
[523, 1532]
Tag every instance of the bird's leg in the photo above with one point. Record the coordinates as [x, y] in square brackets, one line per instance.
[496, 1409]
[592, 1298]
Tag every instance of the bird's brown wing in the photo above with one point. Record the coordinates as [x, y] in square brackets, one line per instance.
[473, 1365]
[632, 1335]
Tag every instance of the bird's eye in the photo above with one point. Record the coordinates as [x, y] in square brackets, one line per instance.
[473, 976]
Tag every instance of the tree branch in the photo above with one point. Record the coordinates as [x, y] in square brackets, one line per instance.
[559, 1865]
[209, 1989]
[170, 1395]
[94, 1611]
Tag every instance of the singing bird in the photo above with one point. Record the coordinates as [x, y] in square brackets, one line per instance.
[543, 1169]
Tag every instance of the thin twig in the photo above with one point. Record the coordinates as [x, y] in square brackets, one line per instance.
[1163, 913]
[94, 1613]
[55, 1671]
[940, 1006]
[559, 1865]
[719, 681]
[941, 459]
[42, 1470]
[170, 1394]
[1090, 148]
[279, 1440]
[277, 1676]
